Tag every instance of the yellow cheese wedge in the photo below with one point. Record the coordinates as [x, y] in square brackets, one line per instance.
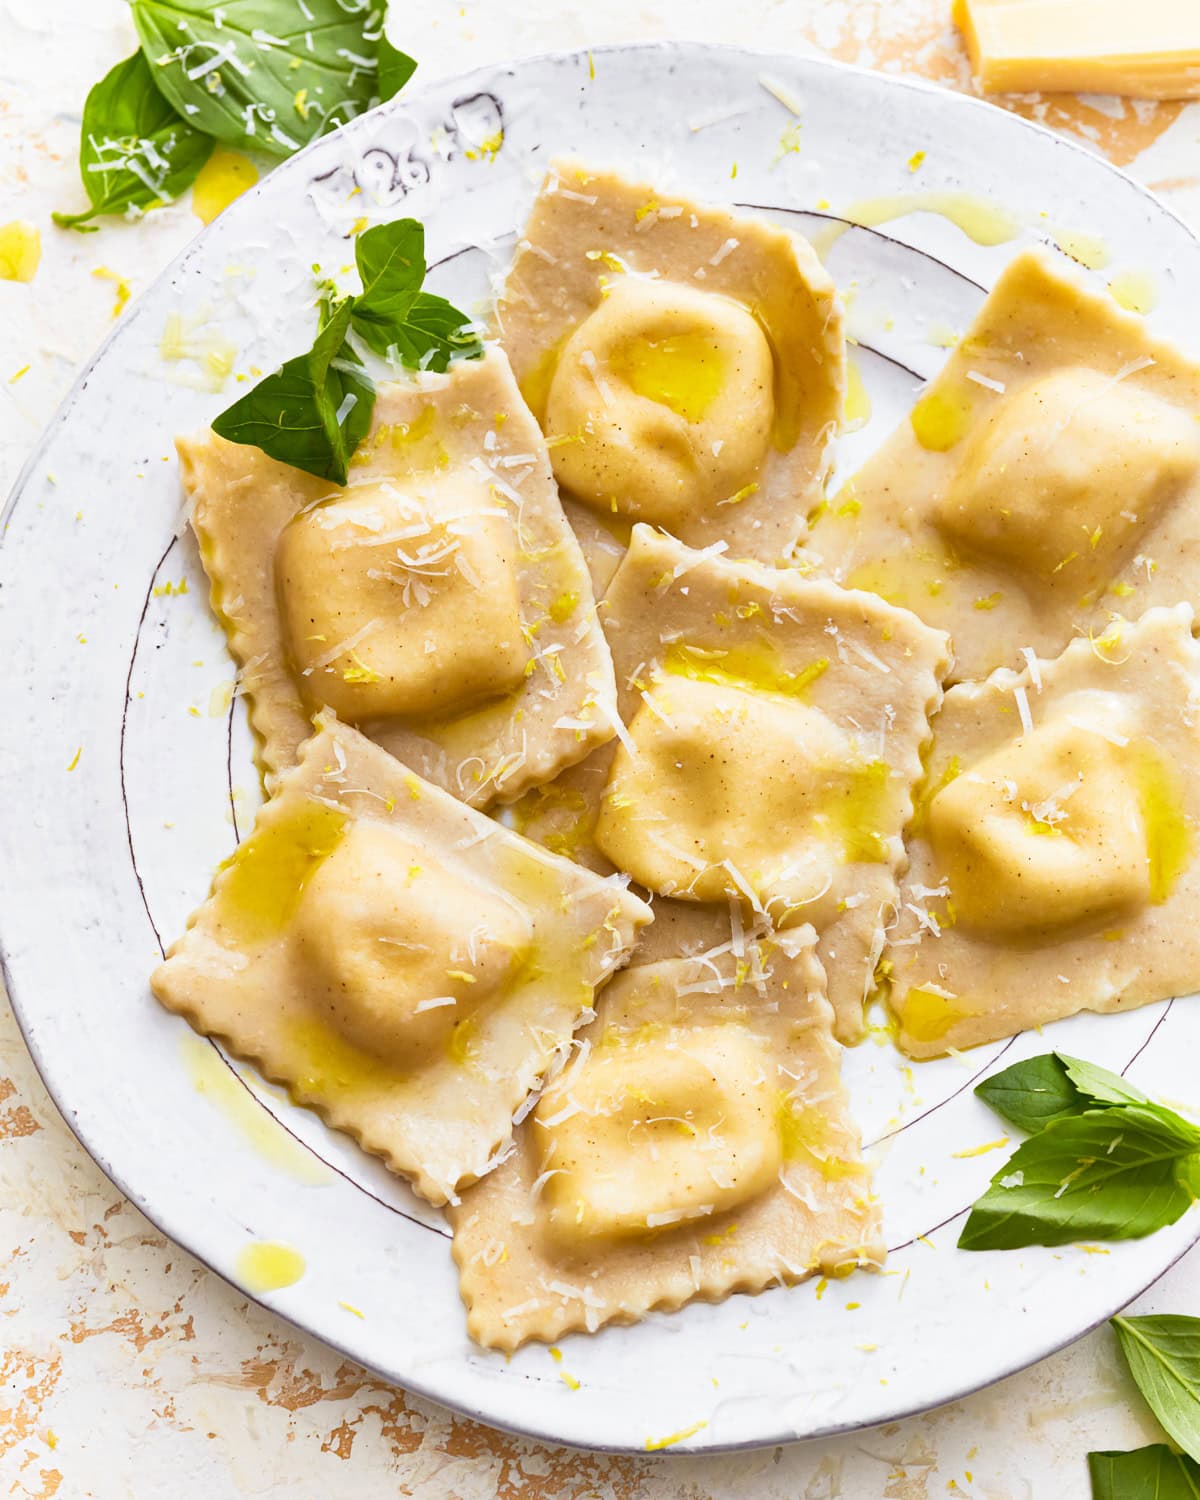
[1149, 50]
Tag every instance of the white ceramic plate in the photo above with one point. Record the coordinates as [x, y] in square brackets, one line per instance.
[104, 853]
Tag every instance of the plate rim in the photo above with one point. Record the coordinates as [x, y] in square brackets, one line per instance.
[680, 49]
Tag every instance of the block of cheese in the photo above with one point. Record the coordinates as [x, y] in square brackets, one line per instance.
[1149, 50]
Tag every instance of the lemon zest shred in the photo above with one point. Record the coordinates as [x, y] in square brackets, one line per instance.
[654, 1445]
[981, 1150]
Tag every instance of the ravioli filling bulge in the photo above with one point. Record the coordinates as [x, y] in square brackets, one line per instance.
[698, 1143]
[440, 602]
[1047, 478]
[662, 402]
[687, 364]
[1053, 859]
[720, 783]
[1066, 473]
[1047, 831]
[384, 951]
[653, 1131]
[402, 599]
[402, 963]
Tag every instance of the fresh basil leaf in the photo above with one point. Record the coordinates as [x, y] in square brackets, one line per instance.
[1040, 1090]
[1033, 1093]
[392, 315]
[266, 75]
[1099, 1085]
[1114, 1174]
[391, 261]
[134, 150]
[395, 69]
[1153, 1473]
[1163, 1355]
[303, 415]
[426, 333]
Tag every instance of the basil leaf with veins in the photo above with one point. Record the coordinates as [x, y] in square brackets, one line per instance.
[266, 75]
[312, 412]
[1036, 1092]
[1153, 1473]
[1163, 1355]
[134, 149]
[1118, 1173]
[393, 315]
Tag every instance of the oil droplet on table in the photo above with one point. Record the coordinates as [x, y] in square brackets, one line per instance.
[224, 176]
[264, 1266]
[20, 250]
[228, 1090]
[1135, 291]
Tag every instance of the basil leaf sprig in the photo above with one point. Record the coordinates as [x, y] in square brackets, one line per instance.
[1040, 1090]
[266, 75]
[1153, 1473]
[134, 150]
[314, 411]
[392, 315]
[1105, 1162]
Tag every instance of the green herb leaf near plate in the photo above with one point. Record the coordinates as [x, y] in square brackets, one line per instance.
[134, 149]
[266, 75]
[314, 411]
[392, 315]
[1163, 1354]
[395, 69]
[1036, 1092]
[1153, 1473]
[1110, 1174]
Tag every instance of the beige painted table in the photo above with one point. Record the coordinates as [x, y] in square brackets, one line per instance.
[126, 1369]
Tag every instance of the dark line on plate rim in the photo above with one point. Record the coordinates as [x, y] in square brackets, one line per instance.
[777, 208]
[926, 1233]
[1150, 1038]
[816, 213]
[933, 1108]
[535, 1429]
[442, 1233]
[137, 637]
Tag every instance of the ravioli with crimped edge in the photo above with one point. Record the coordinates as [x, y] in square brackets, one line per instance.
[439, 601]
[1048, 477]
[774, 731]
[687, 364]
[401, 963]
[1054, 864]
[698, 1143]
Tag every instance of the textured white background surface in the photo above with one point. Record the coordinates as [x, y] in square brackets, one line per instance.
[125, 1369]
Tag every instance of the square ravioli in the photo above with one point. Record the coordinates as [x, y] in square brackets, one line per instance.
[401, 963]
[1053, 859]
[439, 602]
[686, 363]
[774, 737]
[698, 1144]
[1049, 476]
